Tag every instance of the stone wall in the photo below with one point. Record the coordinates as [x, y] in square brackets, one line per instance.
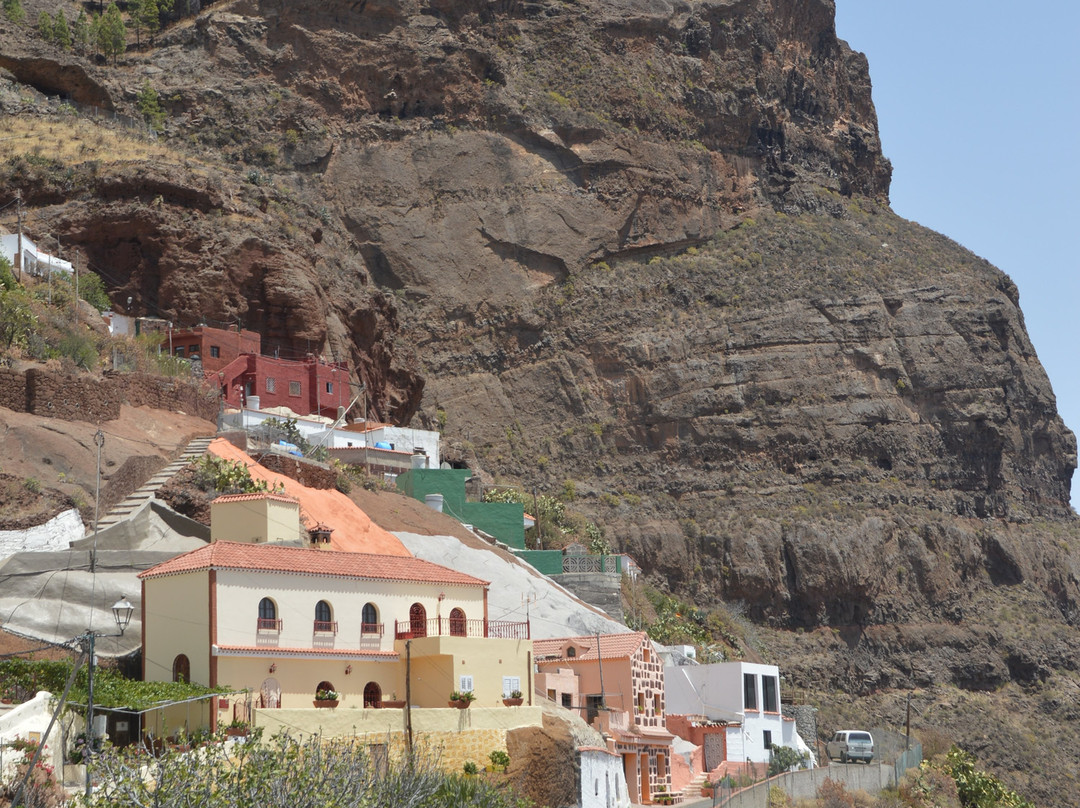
[306, 472]
[84, 398]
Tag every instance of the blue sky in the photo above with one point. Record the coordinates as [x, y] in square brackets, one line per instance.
[979, 110]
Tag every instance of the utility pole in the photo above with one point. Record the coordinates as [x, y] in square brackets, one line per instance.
[19, 252]
[76, 265]
[99, 441]
[600, 664]
[907, 726]
[408, 701]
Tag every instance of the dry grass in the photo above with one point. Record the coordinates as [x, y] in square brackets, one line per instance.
[71, 141]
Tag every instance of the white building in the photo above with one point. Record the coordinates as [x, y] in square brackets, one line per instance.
[32, 260]
[745, 695]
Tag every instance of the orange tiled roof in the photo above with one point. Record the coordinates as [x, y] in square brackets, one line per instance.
[305, 561]
[269, 651]
[253, 496]
[353, 529]
[612, 646]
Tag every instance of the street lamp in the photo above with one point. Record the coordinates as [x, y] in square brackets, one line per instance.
[122, 611]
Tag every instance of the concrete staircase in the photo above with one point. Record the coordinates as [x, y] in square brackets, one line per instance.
[144, 493]
[692, 791]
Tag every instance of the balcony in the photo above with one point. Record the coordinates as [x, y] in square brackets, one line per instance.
[371, 629]
[448, 627]
[269, 624]
[325, 627]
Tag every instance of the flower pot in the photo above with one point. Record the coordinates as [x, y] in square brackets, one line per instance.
[461, 704]
[236, 732]
[706, 792]
[393, 705]
[513, 702]
[325, 702]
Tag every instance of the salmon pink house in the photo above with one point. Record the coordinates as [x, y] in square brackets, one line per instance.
[297, 625]
[616, 682]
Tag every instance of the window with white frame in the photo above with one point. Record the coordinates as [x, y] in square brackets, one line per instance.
[294, 388]
[510, 685]
[465, 684]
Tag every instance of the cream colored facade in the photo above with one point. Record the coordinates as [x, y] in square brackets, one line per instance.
[211, 618]
[255, 518]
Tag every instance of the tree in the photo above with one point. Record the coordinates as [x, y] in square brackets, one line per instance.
[17, 320]
[149, 106]
[61, 32]
[82, 30]
[111, 36]
[14, 10]
[45, 26]
[783, 758]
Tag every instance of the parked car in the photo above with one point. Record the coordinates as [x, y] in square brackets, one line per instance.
[851, 744]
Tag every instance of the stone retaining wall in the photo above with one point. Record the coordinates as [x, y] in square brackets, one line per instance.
[84, 398]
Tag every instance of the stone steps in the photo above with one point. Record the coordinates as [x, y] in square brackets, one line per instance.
[146, 492]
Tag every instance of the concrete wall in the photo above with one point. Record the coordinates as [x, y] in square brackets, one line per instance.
[18, 722]
[601, 590]
[805, 784]
[56, 534]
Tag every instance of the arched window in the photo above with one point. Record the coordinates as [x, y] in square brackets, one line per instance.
[457, 623]
[372, 695]
[324, 618]
[571, 651]
[181, 668]
[268, 616]
[325, 690]
[369, 620]
[418, 620]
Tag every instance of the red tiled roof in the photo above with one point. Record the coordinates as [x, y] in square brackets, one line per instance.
[269, 651]
[305, 561]
[612, 646]
[254, 496]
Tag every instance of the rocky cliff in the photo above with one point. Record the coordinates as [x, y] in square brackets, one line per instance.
[639, 245]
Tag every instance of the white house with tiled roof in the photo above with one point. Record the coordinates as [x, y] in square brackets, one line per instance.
[286, 622]
[619, 680]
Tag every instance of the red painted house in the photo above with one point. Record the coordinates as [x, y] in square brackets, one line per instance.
[231, 360]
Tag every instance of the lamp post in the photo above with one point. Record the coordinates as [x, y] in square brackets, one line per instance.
[122, 611]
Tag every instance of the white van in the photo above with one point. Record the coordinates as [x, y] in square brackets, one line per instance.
[851, 744]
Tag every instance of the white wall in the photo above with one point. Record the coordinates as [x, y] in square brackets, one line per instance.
[603, 781]
[19, 722]
[56, 534]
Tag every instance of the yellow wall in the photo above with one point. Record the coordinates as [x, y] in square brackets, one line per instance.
[255, 520]
[452, 736]
[177, 621]
[239, 593]
[439, 662]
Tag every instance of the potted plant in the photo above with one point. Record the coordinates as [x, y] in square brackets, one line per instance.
[707, 789]
[237, 729]
[326, 698]
[661, 797]
[462, 699]
[514, 699]
[392, 702]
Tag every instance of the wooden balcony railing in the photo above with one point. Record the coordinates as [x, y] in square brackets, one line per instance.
[326, 627]
[371, 629]
[450, 627]
[268, 624]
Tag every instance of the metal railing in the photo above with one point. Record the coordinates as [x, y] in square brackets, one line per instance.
[460, 627]
[371, 629]
[326, 627]
[268, 624]
[590, 563]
